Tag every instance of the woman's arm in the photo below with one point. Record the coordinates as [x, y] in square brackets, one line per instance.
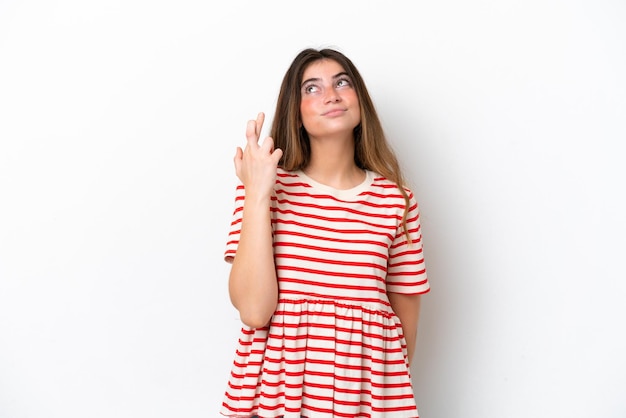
[407, 308]
[252, 282]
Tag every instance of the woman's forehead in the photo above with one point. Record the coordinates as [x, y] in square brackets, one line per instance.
[322, 68]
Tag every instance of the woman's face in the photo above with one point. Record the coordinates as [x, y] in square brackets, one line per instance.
[329, 104]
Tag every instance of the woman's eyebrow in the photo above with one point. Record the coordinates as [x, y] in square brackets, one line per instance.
[316, 79]
[341, 74]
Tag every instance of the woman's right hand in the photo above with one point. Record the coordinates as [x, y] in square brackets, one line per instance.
[256, 164]
[252, 283]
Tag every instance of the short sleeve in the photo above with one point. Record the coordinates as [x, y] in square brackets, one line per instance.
[235, 225]
[406, 269]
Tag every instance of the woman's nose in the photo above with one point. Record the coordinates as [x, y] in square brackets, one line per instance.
[332, 96]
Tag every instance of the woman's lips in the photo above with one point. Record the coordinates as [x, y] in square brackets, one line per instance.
[334, 112]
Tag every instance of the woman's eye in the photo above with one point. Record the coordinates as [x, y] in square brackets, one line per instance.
[310, 89]
[343, 82]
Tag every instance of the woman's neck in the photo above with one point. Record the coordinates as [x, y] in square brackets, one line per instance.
[332, 163]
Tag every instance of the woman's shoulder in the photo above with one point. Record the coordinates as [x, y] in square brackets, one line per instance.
[286, 176]
[386, 186]
[286, 179]
[281, 172]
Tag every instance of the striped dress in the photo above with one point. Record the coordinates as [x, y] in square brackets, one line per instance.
[334, 347]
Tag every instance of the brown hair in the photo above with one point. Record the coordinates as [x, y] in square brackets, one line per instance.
[372, 151]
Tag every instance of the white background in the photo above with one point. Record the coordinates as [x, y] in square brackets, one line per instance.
[118, 124]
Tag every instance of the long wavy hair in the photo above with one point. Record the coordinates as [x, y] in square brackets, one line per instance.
[372, 151]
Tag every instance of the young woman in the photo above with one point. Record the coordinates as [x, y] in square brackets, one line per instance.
[326, 252]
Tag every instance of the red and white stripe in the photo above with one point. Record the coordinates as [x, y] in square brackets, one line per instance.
[334, 346]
